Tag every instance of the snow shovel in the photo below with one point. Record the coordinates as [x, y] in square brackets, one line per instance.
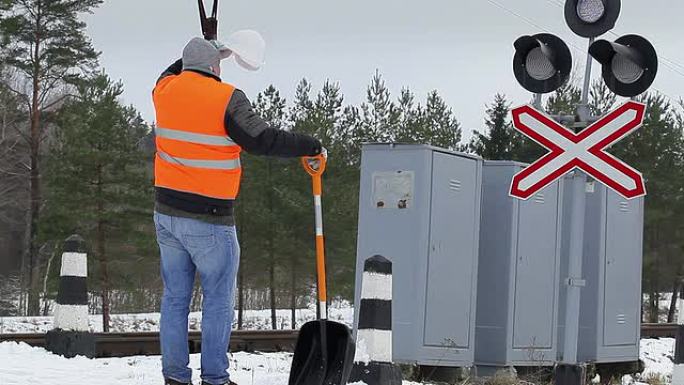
[324, 353]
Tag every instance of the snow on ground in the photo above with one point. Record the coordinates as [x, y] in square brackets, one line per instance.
[22, 364]
[144, 322]
[657, 354]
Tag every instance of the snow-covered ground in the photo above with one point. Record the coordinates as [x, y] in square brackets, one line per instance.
[21, 364]
[657, 354]
[143, 322]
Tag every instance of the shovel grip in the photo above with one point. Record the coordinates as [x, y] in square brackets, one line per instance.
[314, 165]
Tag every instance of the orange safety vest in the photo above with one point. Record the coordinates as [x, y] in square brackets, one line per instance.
[194, 152]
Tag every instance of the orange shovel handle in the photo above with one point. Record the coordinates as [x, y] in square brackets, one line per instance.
[315, 166]
[320, 269]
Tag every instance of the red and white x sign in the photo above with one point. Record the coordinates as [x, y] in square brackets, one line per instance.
[586, 151]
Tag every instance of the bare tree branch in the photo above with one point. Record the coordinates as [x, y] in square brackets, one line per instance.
[20, 94]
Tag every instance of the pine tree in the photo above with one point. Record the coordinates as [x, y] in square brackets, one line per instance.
[602, 100]
[98, 185]
[433, 124]
[307, 116]
[564, 101]
[13, 190]
[379, 114]
[441, 127]
[44, 41]
[260, 206]
[350, 133]
[340, 206]
[303, 105]
[409, 118]
[656, 149]
[337, 128]
[327, 112]
[500, 141]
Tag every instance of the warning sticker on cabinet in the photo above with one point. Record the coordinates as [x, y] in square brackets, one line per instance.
[393, 189]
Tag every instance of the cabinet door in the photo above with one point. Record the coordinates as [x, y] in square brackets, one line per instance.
[622, 274]
[536, 271]
[451, 261]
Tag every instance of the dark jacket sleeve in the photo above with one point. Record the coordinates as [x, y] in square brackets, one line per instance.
[174, 69]
[246, 128]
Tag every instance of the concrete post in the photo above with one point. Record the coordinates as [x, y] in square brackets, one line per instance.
[71, 334]
[373, 361]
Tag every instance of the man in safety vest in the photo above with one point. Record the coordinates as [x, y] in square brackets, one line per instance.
[202, 126]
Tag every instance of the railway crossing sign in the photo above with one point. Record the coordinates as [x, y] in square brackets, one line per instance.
[585, 151]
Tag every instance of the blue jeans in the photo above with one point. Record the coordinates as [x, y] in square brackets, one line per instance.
[188, 245]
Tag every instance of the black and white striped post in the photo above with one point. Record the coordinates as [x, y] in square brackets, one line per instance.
[71, 334]
[373, 361]
[678, 372]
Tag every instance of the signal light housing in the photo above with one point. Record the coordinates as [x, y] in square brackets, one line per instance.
[630, 64]
[591, 18]
[542, 63]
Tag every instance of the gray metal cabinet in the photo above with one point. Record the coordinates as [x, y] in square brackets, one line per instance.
[518, 272]
[612, 261]
[420, 208]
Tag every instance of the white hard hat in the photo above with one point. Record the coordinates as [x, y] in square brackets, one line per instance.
[247, 47]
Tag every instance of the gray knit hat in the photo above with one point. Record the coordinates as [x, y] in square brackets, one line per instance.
[201, 55]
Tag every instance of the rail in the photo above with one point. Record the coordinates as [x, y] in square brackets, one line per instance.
[147, 343]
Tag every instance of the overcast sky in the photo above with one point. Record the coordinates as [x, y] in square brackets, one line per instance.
[464, 49]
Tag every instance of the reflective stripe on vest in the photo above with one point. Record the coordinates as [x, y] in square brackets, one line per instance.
[195, 154]
[192, 137]
[229, 164]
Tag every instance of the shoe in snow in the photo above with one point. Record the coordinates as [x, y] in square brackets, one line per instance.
[169, 381]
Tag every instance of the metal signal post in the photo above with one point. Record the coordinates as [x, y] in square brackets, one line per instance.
[542, 64]
[574, 282]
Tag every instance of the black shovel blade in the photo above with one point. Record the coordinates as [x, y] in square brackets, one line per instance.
[324, 354]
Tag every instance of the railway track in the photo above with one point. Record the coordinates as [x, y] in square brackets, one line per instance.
[659, 330]
[132, 344]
